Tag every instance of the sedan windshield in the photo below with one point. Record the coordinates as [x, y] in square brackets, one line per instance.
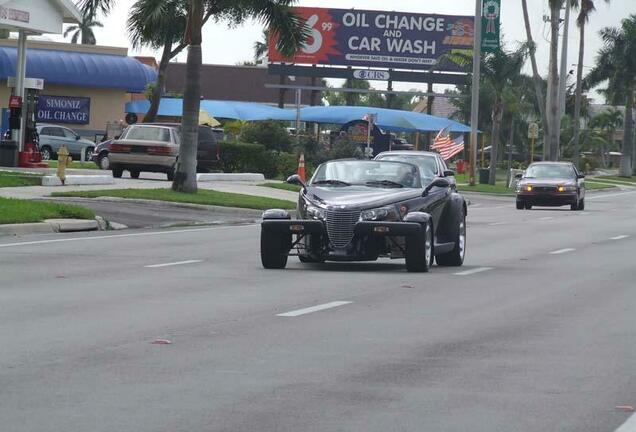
[547, 171]
[367, 173]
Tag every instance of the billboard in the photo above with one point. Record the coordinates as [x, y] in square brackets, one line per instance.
[395, 40]
[63, 109]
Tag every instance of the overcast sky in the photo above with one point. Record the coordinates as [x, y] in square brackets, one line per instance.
[229, 46]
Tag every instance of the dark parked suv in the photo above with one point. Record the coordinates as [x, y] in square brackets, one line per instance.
[154, 147]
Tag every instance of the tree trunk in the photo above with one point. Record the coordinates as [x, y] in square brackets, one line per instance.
[553, 109]
[579, 96]
[628, 134]
[497, 113]
[157, 91]
[535, 71]
[185, 179]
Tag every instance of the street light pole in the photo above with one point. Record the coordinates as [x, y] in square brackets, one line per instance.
[474, 107]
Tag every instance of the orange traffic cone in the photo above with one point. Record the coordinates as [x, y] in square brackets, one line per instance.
[301, 167]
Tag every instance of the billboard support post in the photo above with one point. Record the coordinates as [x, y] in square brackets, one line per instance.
[474, 106]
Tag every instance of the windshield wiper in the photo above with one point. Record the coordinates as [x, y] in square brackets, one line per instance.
[387, 183]
[331, 182]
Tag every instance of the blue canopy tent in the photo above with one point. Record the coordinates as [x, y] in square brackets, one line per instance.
[248, 111]
[388, 119]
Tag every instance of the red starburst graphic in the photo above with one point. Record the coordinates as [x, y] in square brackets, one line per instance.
[321, 43]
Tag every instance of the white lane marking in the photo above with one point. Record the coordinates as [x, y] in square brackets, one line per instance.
[173, 264]
[154, 233]
[629, 425]
[473, 271]
[620, 237]
[317, 308]
[562, 251]
[607, 195]
[490, 208]
[546, 218]
[497, 223]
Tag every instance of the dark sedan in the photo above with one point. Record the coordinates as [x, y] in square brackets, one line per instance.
[551, 184]
[359, 210]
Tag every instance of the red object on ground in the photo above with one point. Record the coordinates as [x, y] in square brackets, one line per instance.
[30, 157]
[301, 167]
[461, 166]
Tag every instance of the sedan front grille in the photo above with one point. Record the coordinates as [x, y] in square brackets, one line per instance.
[340, 225]
[544, 188]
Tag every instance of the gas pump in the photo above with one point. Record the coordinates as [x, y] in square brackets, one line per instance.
[30, 156]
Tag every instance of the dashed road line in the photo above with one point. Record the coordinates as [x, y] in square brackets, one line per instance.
[173, 264]
[546, 218]
[312, 309]
[497, 223]
[562, 251]
[473, 271]
[620, 237]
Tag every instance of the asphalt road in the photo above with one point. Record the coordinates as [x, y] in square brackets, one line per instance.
[535, 333]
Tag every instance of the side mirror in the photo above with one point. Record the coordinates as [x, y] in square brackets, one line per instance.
[518, 176]
[581, 176]
[449, 173]
[77, 137]
[440, 182]
[295, 179]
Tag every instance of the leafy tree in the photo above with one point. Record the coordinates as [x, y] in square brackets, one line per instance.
[271, 134]
[277, 15]
[607, 122]
[84, 30]
[616, 64]
[261, 47]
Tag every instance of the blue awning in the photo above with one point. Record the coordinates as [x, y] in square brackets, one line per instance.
[388, 119]
[248, 111]
[80, 69]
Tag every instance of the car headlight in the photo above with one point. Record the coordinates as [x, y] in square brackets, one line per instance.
[379, 214]
[566, 188]
[315, 212]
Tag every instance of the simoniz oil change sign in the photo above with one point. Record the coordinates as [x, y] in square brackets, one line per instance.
[63, 109]
[379, 39]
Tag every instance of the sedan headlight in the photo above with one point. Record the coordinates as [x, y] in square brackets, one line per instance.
[567, 188]
[379, 214]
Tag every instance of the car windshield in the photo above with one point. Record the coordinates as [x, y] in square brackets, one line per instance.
[426, 164]
[549, 171]
[367, 173]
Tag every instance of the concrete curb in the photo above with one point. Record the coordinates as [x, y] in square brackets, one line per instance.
[230, 177]
[78, 180]
[50, 226]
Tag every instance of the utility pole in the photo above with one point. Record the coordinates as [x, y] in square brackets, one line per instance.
[474, 106]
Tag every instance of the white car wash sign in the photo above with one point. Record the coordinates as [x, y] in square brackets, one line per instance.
[64, 109]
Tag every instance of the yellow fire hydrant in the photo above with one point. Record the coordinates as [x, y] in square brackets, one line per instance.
[64, 160]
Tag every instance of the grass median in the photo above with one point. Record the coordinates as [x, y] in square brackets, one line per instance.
[14, 179]
[617, 179]
[203, 196]
[25, 211]
[282, 186]
[75, 165]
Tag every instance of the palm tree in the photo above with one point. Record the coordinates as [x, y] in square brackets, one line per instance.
[608, 122]
[585, 9]
[287, 27]
[261, 47]
[616, 63]
[500, 70]
[84, 29]
[537, 80]
[159, 24]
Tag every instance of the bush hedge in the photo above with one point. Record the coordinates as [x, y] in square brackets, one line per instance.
[244, 157]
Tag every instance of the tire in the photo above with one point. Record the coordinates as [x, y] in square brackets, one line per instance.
[87, 155]
[170, 175]
[117, 172]
[134, 174]
[46, 152]
[520, 205]
[582, 204]
[455, 258]
[104, 162]
[528, 206]
[419, 251]
[574, 206]
[274, 250]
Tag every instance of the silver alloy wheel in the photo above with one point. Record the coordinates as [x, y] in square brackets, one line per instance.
[104, 162]
[45, 153]
[462, 239]
[428, 245]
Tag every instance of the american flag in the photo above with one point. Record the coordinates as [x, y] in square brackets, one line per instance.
[447, 147]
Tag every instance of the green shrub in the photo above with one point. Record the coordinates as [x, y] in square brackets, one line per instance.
[243, 157]
[271, 134]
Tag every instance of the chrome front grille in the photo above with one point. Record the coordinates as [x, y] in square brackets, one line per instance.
[340, 225]
[544, 188]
